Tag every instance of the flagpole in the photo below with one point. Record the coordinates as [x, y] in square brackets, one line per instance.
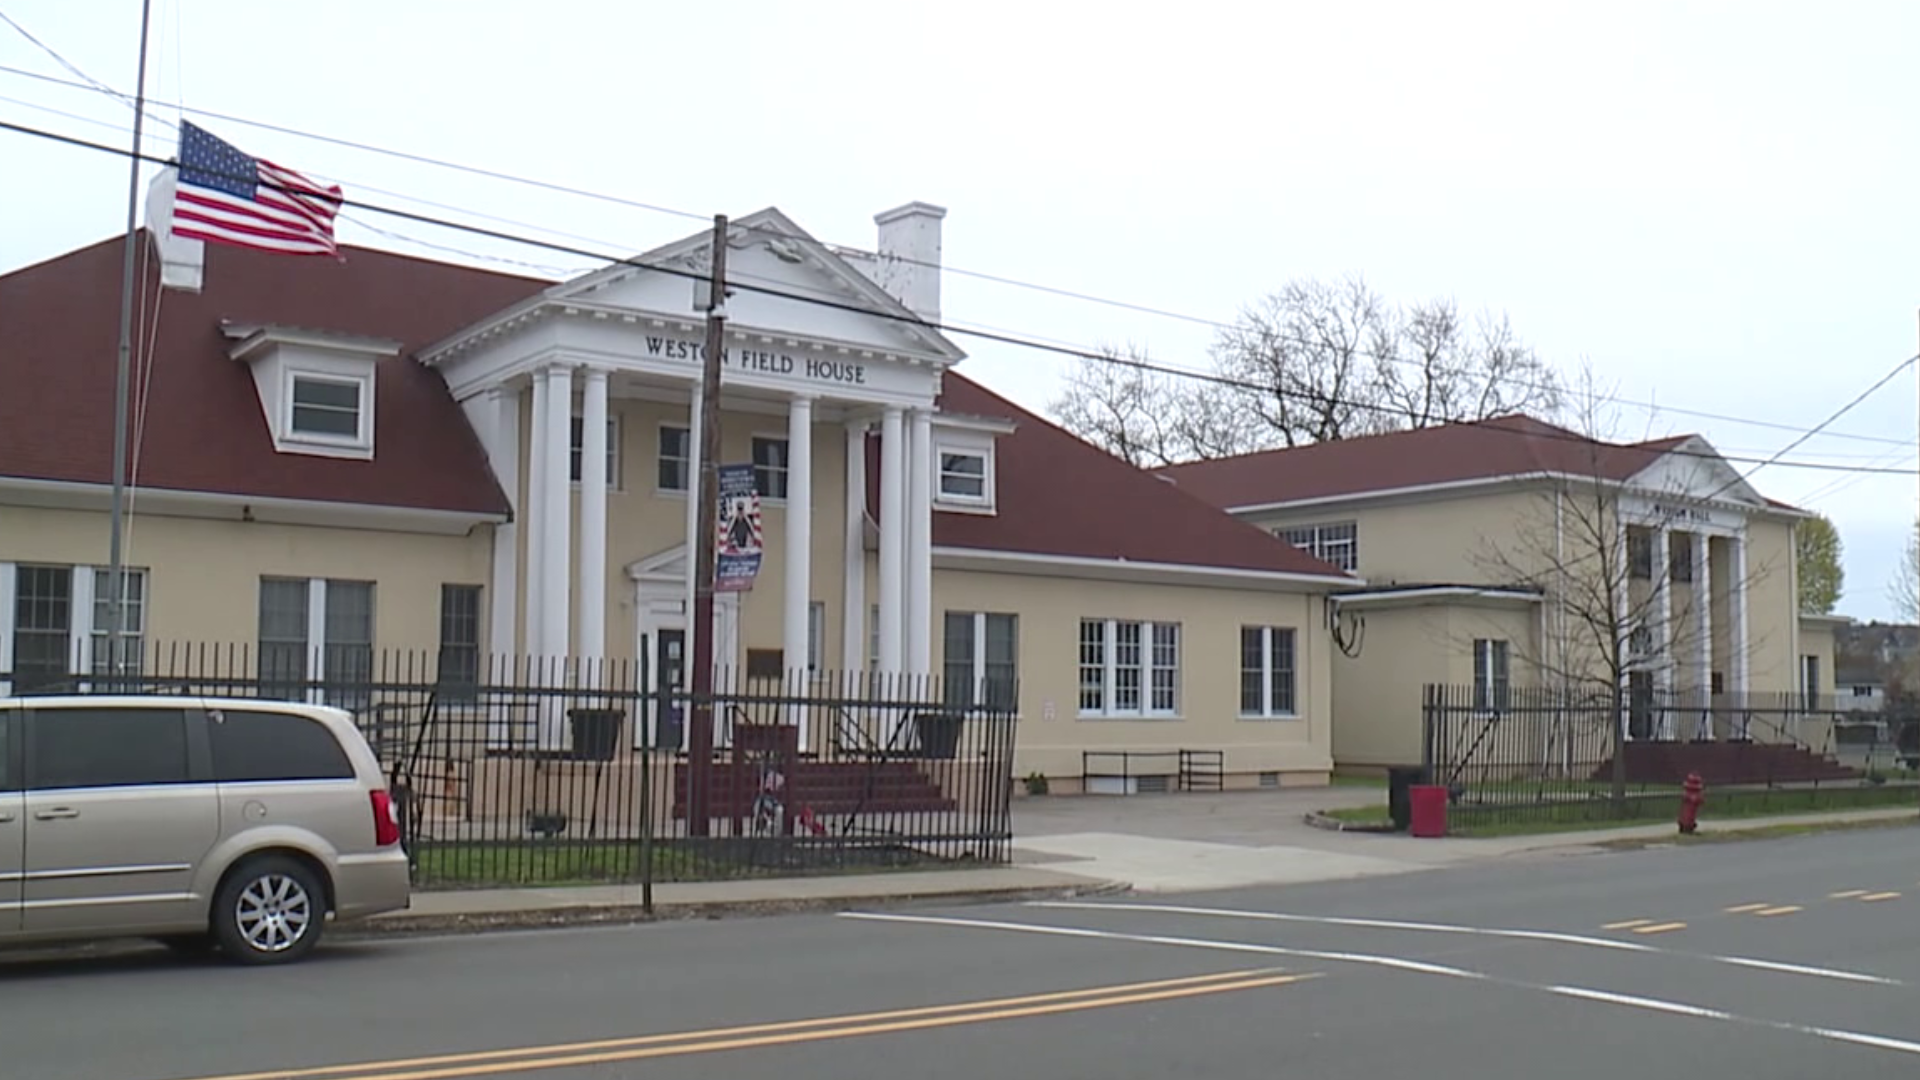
[116, 573]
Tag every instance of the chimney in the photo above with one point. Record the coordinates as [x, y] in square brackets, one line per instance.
[909, 264]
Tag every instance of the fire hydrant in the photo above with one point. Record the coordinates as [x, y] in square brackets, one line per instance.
[1692, 794]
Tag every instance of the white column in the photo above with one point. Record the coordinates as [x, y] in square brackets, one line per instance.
[853, 625]
[694, 466]
[536, 518]
[799, 562]
[1665, 662]
[1737, 658]
[1703, 602]
[1622, 612]
[893, 526]
[591, 634]
[920, 546]
[503, 599]
[556, 580]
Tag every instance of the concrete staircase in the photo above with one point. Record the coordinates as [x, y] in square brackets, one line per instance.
[1726, 763]
[830, 789]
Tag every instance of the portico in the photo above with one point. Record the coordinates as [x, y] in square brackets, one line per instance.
[586, 398]
[1688, 580]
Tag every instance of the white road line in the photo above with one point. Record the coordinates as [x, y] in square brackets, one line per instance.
[1480, 931]
[1676, 1008]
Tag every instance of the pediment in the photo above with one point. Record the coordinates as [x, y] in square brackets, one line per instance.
[1695, 470]
[668, 564]
[824, 296]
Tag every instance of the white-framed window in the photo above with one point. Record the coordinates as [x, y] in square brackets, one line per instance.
[966, 475]
[133, 623]
[1639, 553]
[54, 621]
[1492, 675]
[981, 659]
[459, 667]
[577, 446]
[320, 631]
[329, 409]
[1810, 682]
[1337, 543]
[770, 466]
[1129, 668]
[675, 450]
[1639, 644]
[1680, 556]
[1269, 680]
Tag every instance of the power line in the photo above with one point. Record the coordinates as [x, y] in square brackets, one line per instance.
[1647, 406]
[921, 323]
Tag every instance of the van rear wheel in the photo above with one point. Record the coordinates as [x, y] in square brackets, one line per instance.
[270, 910]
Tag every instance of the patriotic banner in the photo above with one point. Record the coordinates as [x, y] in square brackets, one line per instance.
[222, 196]
[737, 559]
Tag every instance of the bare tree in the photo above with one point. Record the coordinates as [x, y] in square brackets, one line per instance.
[1904, 589]
[1615, 628]
[1148, 418]
[1312, 362]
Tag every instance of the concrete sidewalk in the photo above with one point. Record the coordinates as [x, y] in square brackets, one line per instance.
[484, 909]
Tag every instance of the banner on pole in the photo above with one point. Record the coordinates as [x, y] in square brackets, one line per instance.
[741, 539]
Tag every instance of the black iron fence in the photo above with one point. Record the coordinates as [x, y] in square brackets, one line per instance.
[1558, 755]
[567, 771]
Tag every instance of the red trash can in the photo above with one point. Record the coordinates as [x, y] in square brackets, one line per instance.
[1428, 803]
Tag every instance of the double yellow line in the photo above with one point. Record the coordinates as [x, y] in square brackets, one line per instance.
[603, 1051]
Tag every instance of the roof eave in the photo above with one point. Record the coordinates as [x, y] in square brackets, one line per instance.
[250, 509]
[1002, 561]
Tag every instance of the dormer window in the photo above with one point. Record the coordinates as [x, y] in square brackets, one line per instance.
[964, 479]
[316, 387]
[326, 408]
[963, 475]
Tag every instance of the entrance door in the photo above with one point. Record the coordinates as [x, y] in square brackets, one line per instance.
[669, 669]
[13, 843]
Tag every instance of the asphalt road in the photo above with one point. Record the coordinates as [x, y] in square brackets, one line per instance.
[1779, 959]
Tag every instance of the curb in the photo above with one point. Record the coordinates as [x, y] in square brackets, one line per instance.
[408, 925]
[1321, 820]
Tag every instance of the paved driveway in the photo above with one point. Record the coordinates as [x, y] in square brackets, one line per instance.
[1196, 841]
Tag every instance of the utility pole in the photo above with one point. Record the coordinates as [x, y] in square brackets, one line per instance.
[706, 537]
[116, 514]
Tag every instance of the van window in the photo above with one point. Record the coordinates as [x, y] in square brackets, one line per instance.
[107, 747]
[9, 771]
[251, 746]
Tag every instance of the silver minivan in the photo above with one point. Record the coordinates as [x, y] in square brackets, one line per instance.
[236, 825]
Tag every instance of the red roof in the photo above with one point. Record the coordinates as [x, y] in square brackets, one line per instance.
[1057, 495]
[1450, 453]
[204, 429]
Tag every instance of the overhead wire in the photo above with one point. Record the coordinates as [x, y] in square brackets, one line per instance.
[917, 321]
[92, 84]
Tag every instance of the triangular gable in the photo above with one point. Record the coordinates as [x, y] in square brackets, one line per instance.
[1694, 469]
[767, 249]
[671, 563]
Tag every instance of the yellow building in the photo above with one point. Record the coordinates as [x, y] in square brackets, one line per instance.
[377, 468]
[1512, 555]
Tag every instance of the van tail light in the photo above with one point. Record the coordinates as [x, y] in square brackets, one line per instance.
[386, 820]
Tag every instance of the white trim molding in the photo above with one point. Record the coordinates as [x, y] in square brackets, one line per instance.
[990, 561]
[166, 502]
[1425, 595]
[1460, 488]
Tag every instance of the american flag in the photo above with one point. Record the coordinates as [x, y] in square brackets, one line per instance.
[226, 197]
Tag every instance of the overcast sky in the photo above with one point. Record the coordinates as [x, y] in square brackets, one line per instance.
[1714, 203]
